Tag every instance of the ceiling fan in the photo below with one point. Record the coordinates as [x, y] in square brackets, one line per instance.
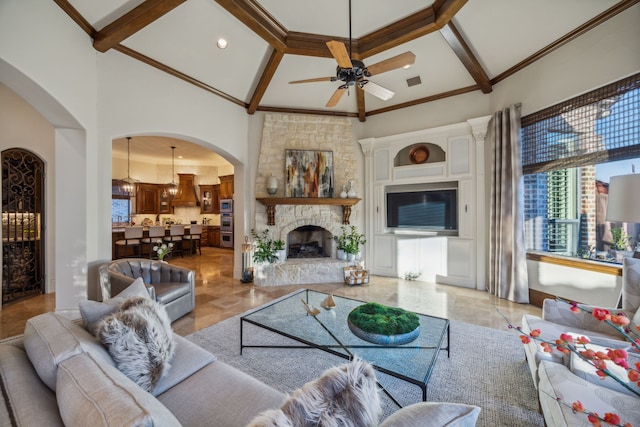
[353, 72]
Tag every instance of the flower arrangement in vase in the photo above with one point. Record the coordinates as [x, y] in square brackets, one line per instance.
[162, 249]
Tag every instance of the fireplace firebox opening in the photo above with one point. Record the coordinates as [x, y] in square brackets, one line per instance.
[309, 241]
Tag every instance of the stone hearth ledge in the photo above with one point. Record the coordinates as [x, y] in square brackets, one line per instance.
[300, 271]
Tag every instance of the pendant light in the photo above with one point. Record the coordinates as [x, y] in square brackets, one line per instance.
[128, 184]
[173, 187]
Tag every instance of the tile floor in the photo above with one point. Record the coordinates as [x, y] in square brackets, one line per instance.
[219, 296]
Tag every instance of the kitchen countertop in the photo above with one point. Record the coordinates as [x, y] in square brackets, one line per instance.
[120, 228]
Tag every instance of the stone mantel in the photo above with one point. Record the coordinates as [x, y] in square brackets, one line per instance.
[272, 202]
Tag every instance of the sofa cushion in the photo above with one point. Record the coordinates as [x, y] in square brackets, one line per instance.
[27, 401]
[343, 395]
[91, 393]
[587, 371]
[631, 285]
[437, 413]
[187, 360]
[222, 395]
[93, 311]
[50, 339]
[559, 388]
[140, 340]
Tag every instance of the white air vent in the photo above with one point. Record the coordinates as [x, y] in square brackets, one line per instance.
[413, 81]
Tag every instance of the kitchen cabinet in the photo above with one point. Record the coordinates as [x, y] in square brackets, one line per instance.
[226, 186]
[213, 236]
[164, 199]
[216, 199]
[147, 199]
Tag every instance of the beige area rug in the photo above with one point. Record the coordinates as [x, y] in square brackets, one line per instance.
[487, 368]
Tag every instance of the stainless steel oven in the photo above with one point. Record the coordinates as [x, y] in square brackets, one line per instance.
[226, 239]
[226, 222]
[226, 206]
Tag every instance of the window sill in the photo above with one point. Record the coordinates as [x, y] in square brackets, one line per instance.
[582, 264]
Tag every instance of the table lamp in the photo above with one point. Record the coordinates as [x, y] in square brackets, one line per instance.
[623, 202]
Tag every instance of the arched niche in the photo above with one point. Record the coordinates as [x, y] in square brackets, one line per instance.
[419, 153]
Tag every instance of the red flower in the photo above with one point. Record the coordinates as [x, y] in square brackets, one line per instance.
[535, 333]
[601, 314]
[620, 320]
[582, 340]
[594, 419]
[525, 339]
[577, 406]
[612, 418]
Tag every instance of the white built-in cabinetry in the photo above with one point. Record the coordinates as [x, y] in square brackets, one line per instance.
[455, 158]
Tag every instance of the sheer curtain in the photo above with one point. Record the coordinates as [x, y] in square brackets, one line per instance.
[507, 252]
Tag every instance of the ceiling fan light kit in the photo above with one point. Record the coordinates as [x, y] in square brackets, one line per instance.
[353, 72]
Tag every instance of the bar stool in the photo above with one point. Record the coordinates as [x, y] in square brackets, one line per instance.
[156, 234]
[194, 237]
[132, 236]
[176, 234]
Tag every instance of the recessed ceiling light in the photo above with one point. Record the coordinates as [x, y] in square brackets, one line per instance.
[406, 67]
[180, 157]
[222, 43]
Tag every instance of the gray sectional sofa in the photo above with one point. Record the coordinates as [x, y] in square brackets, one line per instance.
[58, 373]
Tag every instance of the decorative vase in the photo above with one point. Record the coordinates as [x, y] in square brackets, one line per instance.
[398, 339]
[272, 185]
[281, 254]
[351, 257]
[340, 254]
[343, 194]
[352, 191]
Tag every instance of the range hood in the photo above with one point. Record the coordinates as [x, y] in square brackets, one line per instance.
[186, 195]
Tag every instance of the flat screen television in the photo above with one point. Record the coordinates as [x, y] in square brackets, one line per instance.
[434, 210]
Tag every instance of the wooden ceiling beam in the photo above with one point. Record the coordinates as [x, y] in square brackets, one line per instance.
[315, 45]
[258, 20]
[73, 13]
[362, 113]
[132, 22]
[417, 25]
[466, 56]
[426, 99]
[265, 79]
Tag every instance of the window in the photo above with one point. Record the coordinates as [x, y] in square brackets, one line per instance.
[569, 153]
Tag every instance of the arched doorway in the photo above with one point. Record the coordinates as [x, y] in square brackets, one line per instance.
[22, 224]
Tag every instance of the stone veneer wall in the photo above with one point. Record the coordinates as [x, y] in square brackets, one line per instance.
[305, 132]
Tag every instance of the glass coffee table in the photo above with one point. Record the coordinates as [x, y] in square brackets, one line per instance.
[328, 331]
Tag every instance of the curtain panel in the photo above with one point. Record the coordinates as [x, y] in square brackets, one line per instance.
[507, 251]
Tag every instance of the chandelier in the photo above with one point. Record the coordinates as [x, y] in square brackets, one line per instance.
[128, 184]
[173, 187]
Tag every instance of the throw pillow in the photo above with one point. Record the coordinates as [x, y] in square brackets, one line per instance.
[92, 312]
[631, 285]
[434, 414]
[140, 340]
[344, 396]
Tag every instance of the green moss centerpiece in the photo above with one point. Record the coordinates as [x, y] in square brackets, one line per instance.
[380, 324]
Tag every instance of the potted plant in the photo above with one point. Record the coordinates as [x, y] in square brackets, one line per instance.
[620, 242]
[341, 243]
[353, 242]
[281, 253]
[264, 248]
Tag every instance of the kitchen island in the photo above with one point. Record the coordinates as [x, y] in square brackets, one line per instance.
[210, 237]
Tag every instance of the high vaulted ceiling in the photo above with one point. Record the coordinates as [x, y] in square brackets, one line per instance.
[460, 45]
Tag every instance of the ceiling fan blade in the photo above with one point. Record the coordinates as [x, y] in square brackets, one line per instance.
[393, 63]
[339, 52]
[317, 79]
[335, 98]
[377, 90]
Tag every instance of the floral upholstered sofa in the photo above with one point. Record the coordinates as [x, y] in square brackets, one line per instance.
[562, 379]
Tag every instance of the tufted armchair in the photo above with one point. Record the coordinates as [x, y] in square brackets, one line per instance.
[170, 285]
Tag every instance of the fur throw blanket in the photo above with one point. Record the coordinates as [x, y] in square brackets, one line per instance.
[139, 338]
[344, 396]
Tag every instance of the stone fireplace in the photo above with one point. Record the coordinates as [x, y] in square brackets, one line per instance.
[306, 228]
